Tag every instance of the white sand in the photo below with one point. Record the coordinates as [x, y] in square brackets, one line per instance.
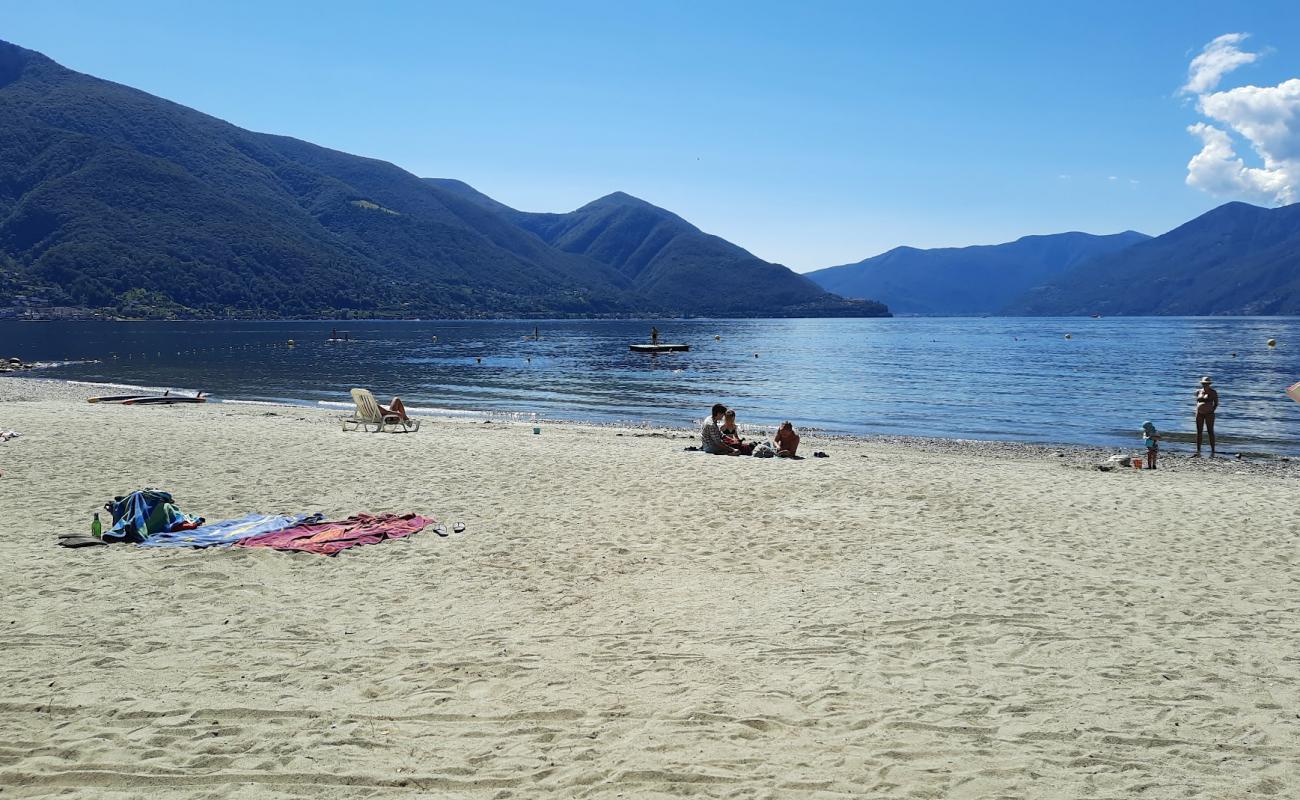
[624, 619]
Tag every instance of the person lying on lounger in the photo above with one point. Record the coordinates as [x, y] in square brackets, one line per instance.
[395, 407]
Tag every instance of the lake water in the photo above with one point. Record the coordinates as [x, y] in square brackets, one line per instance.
[991, 378]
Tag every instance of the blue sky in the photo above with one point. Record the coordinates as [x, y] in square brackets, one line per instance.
[811, 134]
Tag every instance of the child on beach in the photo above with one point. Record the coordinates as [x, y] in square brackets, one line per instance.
[1151, 438]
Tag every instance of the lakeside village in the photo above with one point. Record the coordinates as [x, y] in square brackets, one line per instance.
[38, 308]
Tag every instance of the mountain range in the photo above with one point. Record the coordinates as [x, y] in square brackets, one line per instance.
[1235, 259]
[112, 198]
[982, 279]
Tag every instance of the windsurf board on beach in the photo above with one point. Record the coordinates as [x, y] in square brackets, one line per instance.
[116, 398]
[165, 400]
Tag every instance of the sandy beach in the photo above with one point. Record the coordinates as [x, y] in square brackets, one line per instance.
[625, 619]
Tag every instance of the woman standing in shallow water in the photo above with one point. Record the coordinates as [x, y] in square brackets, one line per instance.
[1207, 402]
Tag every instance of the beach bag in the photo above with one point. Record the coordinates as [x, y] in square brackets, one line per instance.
[148, 511]
[763, 451]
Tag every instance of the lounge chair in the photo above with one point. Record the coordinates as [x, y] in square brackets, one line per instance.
[369, 413]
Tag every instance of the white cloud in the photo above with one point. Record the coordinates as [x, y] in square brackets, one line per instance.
[1112, 177]
[1266, 117]
[1219, 57]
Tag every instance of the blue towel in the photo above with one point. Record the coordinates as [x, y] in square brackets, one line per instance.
[139, 515]
[229, 531]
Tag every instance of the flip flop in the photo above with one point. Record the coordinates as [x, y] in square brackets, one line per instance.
[440, 529]
[459, 527]
[80, 540]
[820, 454]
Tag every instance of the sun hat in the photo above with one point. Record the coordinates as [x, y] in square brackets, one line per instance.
[1206, 380]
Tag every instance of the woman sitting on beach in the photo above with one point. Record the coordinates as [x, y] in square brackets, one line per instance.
[787, 441]
[731, 435]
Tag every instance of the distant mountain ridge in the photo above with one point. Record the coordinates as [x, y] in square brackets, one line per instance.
[663, 255]
[981, 279]
[113, 198]
[1234, 259]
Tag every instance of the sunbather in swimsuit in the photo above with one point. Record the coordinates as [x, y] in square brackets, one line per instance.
[395, 407]
[787, 441]
[731, 435]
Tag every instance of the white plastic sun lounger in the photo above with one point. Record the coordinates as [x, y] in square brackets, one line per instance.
[369, 414]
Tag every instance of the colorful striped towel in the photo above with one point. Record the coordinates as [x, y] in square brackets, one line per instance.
[229, 531]
[328, 538]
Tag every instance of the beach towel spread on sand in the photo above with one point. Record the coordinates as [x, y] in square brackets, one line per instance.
[140, 514]
[227, 532]
[328, 538]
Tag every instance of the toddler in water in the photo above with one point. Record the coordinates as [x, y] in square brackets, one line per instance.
[1151, 438]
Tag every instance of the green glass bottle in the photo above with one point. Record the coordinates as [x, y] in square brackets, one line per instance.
[96, 529]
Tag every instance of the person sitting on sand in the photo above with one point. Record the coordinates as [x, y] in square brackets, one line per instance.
[396, 406]
[711, 439]
[731, 435]
[1207, 402]
[787, 441]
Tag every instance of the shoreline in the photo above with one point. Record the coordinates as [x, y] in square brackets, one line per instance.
[1067, 454]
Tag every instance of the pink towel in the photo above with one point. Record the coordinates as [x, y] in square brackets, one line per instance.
[328, 538]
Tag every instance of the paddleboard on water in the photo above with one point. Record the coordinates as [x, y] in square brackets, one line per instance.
[659, 348]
